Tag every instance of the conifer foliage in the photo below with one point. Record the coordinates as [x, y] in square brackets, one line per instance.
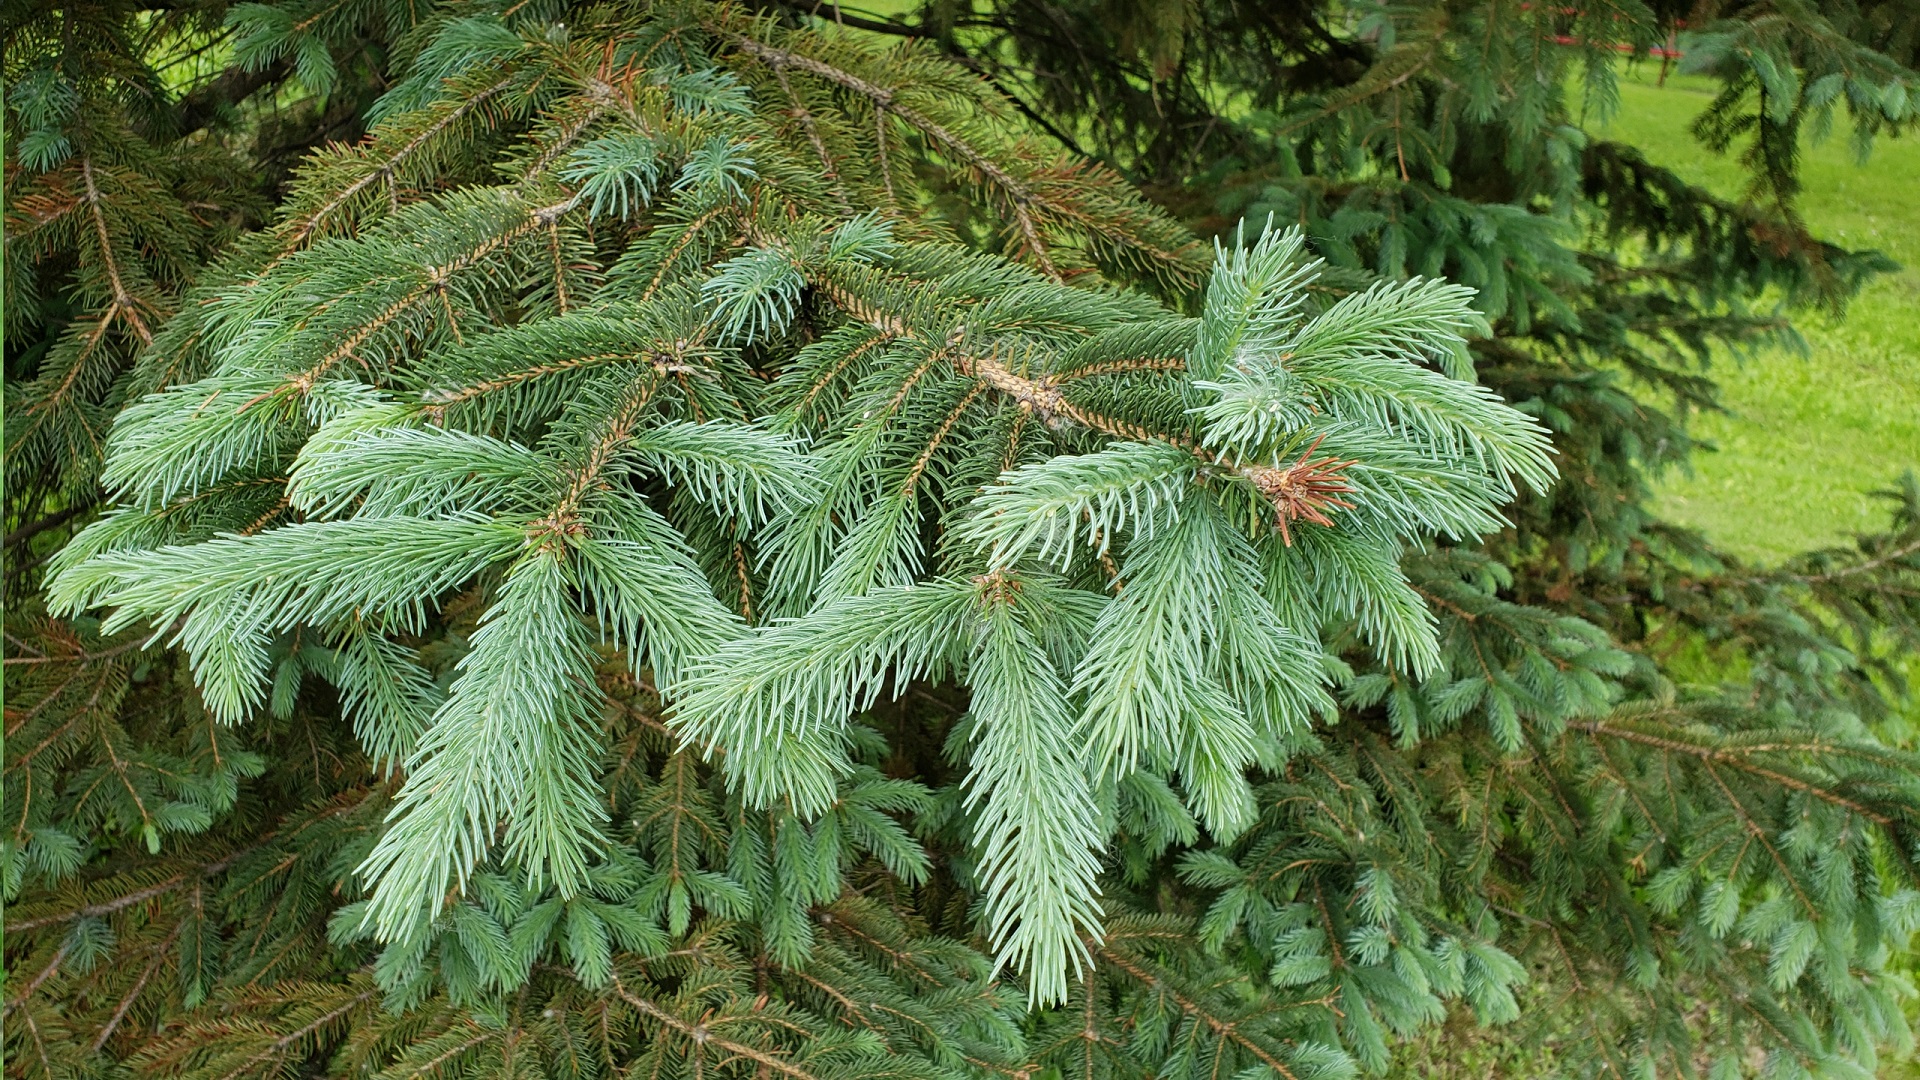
[702, 544]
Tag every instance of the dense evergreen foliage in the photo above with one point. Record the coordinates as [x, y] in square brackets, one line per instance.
[663, 538]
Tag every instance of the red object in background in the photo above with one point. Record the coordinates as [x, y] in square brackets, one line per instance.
[1666, 53]
[1663, 53]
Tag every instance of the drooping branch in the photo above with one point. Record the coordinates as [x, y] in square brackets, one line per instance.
[434, 279]
[301, 229]
[281, 1044]
[702, 1035]
[1020, 197]
[1224, 1028]
[1723, 756]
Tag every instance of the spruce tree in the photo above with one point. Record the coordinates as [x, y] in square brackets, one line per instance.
[706, 543]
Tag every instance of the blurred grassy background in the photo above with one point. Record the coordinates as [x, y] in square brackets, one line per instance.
[1806, 437]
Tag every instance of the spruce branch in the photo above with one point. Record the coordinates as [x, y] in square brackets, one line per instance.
[1020, 198]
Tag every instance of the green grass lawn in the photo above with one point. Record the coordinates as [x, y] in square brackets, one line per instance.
[1806, 438]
